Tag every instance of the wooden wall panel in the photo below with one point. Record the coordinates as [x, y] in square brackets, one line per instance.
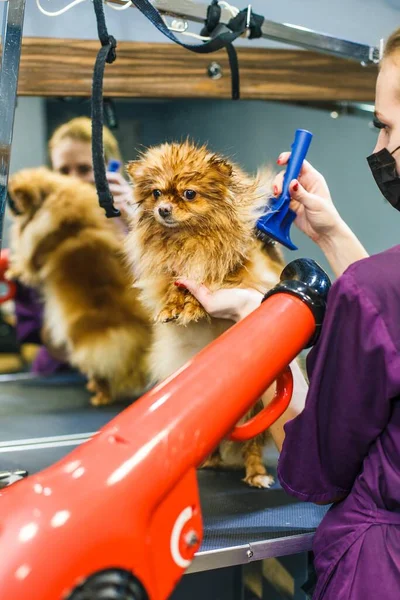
[63, 67]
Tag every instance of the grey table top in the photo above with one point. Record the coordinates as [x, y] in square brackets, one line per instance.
[40, 421]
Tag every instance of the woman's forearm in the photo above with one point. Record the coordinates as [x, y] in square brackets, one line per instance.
[342, 249]
[277, 429]
[296, 406]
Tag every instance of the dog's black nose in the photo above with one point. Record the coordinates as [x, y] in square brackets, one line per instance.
[165, 210]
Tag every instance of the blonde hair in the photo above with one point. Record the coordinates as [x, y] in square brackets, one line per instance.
[392, 44]
[80, 130]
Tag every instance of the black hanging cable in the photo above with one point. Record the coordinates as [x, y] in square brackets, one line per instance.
[211, 29]
[223, 36]
[234, 66]
[106, 54]
[110, 113]
[216, 43]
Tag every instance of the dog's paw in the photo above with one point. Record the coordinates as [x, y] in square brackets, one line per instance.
[100, 389]
[212, 462]
[259, 481]
[192, 311]
[169, 314]
[91, 386]
[174, 303]
[182, 308]
[101, 399]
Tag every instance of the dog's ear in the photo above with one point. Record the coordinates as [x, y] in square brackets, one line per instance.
[13, 206]
[134, 168]
[23, 196]
[221, 164]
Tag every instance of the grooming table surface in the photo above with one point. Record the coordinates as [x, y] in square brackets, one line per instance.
[42, 420]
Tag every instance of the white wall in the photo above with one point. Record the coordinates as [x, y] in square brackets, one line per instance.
[29, 142]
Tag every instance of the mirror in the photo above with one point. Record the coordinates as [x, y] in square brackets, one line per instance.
[252, 133]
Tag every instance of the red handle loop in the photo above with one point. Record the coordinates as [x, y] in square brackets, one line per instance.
[7, 288]
[272, 412]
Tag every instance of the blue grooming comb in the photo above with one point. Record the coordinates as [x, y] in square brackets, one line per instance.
[277, 221]
[113, 165]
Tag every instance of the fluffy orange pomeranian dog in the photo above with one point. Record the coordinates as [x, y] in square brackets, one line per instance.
[62, 244]
[195, 218]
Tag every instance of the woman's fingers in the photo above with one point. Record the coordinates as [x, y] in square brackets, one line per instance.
[113, 177]
[199, 291]
[283, 159]
[310, 201]
[278, 184]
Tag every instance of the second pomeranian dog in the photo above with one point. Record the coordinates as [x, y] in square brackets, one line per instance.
[62, 244]
[195, 218]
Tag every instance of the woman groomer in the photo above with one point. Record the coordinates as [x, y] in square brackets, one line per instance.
[343, 447]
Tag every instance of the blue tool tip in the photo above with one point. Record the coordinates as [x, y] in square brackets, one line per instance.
[276, 233]
[113, 165]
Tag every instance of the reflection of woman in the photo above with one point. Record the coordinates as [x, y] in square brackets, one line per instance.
[343, 447]
[70, 153]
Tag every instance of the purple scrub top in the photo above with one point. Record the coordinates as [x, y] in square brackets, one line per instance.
[346, 442]
[29, 317]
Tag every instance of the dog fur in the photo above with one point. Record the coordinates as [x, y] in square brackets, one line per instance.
[62, 244]
[210, 239]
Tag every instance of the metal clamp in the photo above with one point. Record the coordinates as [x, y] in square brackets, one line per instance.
[177, 25]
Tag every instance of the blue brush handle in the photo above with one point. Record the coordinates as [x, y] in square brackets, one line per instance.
[276, 222]
[113, 165]
[300, 146]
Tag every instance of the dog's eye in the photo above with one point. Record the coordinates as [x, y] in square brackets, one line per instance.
[156, 193]
[189, 194]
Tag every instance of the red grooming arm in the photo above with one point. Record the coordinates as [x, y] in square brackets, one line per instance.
[122, 512]
[7, 288]
[268, 416]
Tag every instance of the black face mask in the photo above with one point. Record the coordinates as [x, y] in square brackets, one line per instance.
[383, 168]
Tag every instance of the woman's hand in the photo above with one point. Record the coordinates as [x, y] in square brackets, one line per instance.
[233, 304]
[317, 216]
[122, 194]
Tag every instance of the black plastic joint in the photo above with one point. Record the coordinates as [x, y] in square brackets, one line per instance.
[107, 204]
[111, 211]
[305, 279]
[110, 583]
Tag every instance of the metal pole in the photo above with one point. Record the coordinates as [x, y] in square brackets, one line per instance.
[13, 18]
